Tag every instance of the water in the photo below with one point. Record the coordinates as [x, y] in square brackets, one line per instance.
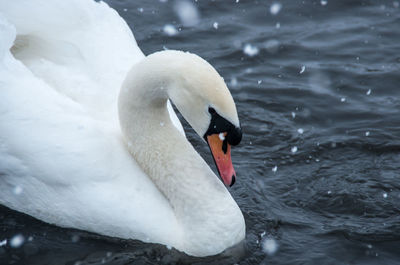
[329, 68]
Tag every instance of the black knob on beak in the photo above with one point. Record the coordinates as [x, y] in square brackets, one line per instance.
[234, 136]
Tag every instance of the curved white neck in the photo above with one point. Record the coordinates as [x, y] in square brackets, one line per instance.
[202, 205]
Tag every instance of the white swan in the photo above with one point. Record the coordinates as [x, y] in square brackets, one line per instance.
[63, 158]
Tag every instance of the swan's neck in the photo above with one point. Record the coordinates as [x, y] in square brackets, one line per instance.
[203, 207]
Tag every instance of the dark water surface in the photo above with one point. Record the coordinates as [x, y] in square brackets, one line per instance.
[326, 82]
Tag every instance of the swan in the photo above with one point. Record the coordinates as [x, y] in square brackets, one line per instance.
[88, 138]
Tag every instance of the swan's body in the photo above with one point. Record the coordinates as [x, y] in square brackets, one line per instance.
[63, 158]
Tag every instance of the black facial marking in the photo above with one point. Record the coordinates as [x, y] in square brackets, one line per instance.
[221, 125]
[233, 181]
[225, 146]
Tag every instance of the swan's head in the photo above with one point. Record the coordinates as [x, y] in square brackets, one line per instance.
[202, 97]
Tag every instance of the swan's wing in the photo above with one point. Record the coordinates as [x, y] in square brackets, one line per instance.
[61, 160]
[83, 50]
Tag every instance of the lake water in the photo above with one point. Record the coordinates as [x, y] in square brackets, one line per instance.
[317, 87]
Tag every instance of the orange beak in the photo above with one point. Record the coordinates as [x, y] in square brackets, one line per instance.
[221, 152]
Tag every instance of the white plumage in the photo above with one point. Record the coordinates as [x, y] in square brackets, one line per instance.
[61, 142]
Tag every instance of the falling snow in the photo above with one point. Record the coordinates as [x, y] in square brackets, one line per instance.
[249, 70]
[269, 246]
[187, 13]
[275, 8]
[170, 30]
[3, 242]
[75, 238]
[250, 50]
[294, 18]
[272, 46]
[234, 81]
[17, 190]
[17, 241]
[293, 149]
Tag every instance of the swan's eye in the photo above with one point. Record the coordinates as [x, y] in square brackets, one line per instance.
[211, 110]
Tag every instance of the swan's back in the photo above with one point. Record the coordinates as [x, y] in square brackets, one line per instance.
[60, 141]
